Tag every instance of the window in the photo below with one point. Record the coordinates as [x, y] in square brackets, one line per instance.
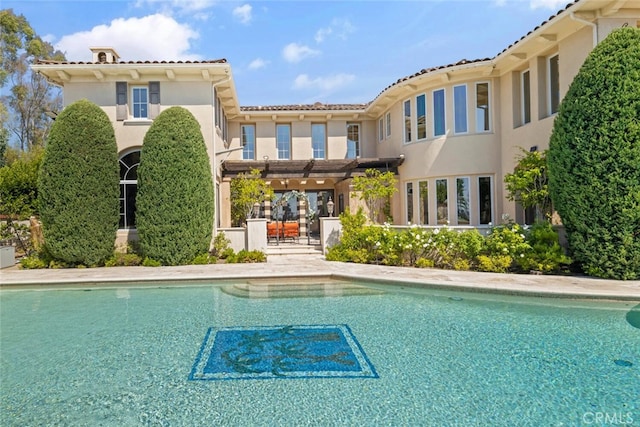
[140, 101]
[248, 141]
[442, 205]
[525, 87]
[409, 202]
[221, 117]
[485, 199]
[439, 123]
[145, 101]
[460, 109]
[380, 129]
[353, 140]
[462, 200]
[283, 141]
[421, 116]
[483, 117]
[423, 188]
[554, 84]
[388, 123]
[319, 140]
[128, 189]
[407, 121]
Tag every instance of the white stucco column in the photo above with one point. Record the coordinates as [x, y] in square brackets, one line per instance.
[330, 230]
[256, 236]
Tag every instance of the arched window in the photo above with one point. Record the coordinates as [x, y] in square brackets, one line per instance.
[128, 188]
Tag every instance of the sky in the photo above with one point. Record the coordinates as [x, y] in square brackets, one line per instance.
[292, 52]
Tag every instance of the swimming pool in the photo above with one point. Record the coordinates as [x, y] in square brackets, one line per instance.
[128, 356]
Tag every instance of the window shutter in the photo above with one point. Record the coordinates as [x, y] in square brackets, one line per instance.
[154, 99]
[121, 100]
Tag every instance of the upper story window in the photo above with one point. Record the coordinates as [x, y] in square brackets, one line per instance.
[380, 130]
[460, 109]
[525, 90]
[407, 121]
[483, 116]
[283, 141]
[554, 84]
[388, 124]
[221, 117]
[353, 140]
[439, 119]
[421, 116]
[319, 140]
[144, 101]
[248, 141]
[140, 100]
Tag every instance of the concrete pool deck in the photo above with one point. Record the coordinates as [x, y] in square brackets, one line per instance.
[316, 266]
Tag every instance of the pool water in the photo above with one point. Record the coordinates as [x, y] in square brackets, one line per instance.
[125, 356]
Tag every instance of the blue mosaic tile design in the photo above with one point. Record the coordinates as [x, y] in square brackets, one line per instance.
[261, 352]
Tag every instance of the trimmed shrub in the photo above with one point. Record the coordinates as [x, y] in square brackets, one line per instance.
[174, 203]
[19, 185]
[79, 186]
[593, 159]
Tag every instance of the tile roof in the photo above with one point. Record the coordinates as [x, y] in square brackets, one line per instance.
[48, 61]
[318, 106]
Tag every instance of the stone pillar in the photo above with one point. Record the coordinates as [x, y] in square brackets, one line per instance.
[256, 234]
[330, 230]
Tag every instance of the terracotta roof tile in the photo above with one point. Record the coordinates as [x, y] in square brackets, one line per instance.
[45, 61]
[318, 106]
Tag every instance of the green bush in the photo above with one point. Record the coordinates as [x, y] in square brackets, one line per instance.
[245, 256]
[120, 259]
[149, 262]
[546, 254]
[204, 259]
[79, 186]
[593, 158]
[221, 247]
[174, 203]
[494, 263]
[19, 185]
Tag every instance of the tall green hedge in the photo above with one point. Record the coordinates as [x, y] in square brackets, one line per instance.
[594, 159]
[174, 203]
[79, 186]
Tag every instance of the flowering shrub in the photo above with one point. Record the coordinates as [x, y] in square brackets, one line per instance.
[508, 247]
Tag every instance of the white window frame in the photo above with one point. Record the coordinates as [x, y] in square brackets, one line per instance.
[357, 143]
[133, 89]
[246, 147]
[418, 138]
[446, 217]
[319, 148]
[466, 110]
[444, 111]
[407, 121]
[523, 118]
[288, 125]
[387, 119]
[380, 129]
[409, 201]
[468, 199]
[488, 112]
[491, 200]
[549, 84]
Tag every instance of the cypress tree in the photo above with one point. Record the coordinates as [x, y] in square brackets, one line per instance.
[79, 186]
[594, 159]
[174, 202]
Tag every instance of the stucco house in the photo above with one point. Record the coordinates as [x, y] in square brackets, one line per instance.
[450, 133]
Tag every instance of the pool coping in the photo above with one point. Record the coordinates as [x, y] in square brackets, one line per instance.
[315, 266]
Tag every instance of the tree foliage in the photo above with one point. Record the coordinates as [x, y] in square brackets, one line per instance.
[528, 184]
[375, 189]
[30, 95]
[19, 185]
[175, 190]
[79, 186]
[246, 190]
[594, 159]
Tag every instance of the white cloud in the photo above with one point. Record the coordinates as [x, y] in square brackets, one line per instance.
[294, 52]
[547, 4]
[243, 13]
[326, 83]
[153, 37]
[340, 28]
[258, 63]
